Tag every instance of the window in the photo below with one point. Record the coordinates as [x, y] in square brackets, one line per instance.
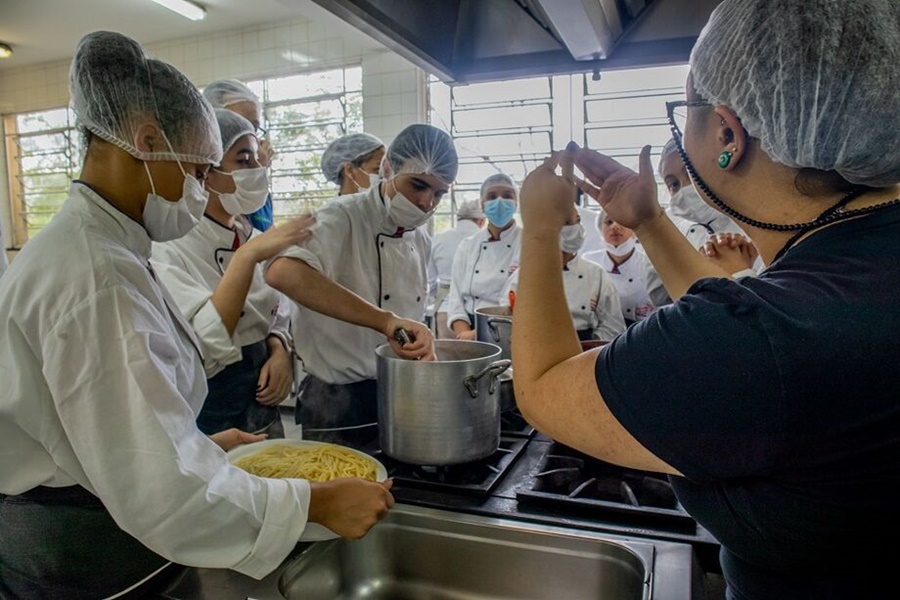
[43, 157]
[303, 113]
[511, 126]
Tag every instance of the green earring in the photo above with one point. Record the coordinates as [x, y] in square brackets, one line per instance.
[724, 159]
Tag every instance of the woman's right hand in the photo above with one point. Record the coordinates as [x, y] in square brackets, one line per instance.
[278, 237]
[469, 334]
[627, 197]
[350, 506]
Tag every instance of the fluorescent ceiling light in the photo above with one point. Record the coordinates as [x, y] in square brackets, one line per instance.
[192, 11]
[5, 50]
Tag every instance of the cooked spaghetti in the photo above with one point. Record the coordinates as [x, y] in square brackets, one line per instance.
[318, 463]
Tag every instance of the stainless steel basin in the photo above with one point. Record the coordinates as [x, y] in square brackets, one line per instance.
[424, 554]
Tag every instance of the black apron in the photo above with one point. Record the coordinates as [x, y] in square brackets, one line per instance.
[231, 400]
[61, 543]
[340, 414]
[585, 335]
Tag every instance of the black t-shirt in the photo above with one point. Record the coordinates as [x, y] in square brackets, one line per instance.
[778, 399]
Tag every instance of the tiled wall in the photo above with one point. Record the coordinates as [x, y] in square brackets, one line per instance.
[393, 89]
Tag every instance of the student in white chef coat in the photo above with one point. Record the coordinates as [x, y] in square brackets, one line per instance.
[485, 261]
[590, 292]
[361, 278]
[640, 289]
[214, 275]
[352, 162]
[235, 96]
[105, 480]
[469, 221]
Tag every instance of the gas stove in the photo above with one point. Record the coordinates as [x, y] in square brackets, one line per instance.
[534, 479]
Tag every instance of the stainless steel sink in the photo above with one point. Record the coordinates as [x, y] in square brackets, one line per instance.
[425, 554]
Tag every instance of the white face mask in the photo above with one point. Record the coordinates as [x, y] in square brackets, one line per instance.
[571, 238]
[623, 249]
[687, 204]
[165, 220]
[372, 180]
[251, 189]
[403, 213]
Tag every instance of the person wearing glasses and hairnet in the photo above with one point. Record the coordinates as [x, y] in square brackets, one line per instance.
[360, 279]
[215, 276]
[352, 162]
[235, 96]
[771, 401]
[106, 483]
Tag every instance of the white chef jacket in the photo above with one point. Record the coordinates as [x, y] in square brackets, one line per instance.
[356, 245]
[4, 262]
[444, 246]
[631, 281]
[480, 271]
[192, 266]
[102, 385]
[585, 281]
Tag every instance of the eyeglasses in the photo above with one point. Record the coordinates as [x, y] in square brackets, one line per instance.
[677, 113]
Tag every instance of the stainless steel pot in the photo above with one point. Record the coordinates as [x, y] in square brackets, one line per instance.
[440, 412]
[493, 324]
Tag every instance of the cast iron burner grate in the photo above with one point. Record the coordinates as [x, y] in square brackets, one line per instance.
[479, 477]
[513, 424]
[569, 480]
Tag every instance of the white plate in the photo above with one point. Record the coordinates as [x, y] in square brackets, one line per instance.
[313, 532]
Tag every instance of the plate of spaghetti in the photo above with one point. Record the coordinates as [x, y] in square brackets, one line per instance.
[306, 459]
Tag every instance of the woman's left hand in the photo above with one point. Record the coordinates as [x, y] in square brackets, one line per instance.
[276, 377]
[546, 199]
[231, 438]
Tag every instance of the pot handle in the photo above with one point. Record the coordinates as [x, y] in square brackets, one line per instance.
[495, 368]
[492, 326]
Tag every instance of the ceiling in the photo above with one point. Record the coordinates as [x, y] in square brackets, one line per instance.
[48, 30]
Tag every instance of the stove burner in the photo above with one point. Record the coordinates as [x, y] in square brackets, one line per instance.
[571, 481]
[478, 477]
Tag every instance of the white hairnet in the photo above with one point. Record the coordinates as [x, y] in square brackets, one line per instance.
[225, 92]
[115, 88]
[815, 80]
[424, 149]
[470, 210]
[232, 127]
[498, 179]
[669, 148]
[347, 148]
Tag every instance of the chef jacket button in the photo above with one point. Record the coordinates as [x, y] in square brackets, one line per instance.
[509, 246]
[221, 260]
[418, 298]
[242, 313]
[581, 277]
[387, 296]
[484, 247]
[583, 307]
[501, 270]
[627, 310]
[476, 297]
[630, 280]
[382, 244]
[477, 271]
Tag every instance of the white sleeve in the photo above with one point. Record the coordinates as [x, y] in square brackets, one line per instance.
[329, 241]
[194, 300]
[456, 306]
[654, 285]
[610, 321]
[135, 440]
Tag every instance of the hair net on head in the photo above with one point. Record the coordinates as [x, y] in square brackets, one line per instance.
[225, 92]
[115, 88]
[232, 127]
[815, 80]
[424, 149]
[470, 210]
[498, 179]
[347, 148]
[669, 148]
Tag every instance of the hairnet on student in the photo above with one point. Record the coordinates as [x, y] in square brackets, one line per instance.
[424, 150]
[470, 210]
[232, 127]
[347, 148]
[816, 81]
[669, 148]
[225, 92]
[498, 179]
[115, 88]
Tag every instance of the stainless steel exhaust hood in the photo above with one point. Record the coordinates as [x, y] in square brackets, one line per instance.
[464, 41]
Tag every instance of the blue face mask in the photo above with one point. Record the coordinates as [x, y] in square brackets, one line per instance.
[500, 211]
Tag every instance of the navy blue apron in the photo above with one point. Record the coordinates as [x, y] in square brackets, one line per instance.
[231, 400]
[340, 414]
[62, 543]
